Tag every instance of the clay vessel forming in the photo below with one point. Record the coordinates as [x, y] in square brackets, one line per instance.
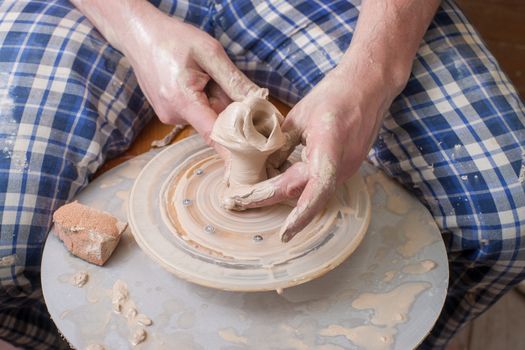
[251, 131]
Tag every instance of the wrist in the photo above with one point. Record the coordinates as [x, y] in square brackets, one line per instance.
[376, 72]
[111, 18]
[364, 96]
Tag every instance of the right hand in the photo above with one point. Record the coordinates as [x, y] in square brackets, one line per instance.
[184, 73]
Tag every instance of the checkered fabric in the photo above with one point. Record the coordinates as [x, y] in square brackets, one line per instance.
[455, 137]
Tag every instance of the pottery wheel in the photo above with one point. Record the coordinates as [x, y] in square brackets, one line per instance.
[176, 217]
[320, 314]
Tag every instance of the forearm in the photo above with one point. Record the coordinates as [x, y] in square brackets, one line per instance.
[120, 22]
[386, 40]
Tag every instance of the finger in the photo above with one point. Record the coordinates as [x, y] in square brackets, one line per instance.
[202, 118]
[286, 186]
[214, 60]
[317, 192]
[217, 98]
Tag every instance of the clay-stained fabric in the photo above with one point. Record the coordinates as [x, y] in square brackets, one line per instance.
[455, 136]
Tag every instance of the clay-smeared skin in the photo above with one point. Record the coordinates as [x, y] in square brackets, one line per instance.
[187, 76]
[251, 131]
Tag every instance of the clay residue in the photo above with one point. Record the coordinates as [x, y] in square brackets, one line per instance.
[391, 308]
[389, 275]
[120, 296]
[112, 181]
[143, 320]
[79, 279]
[166, 140]
[138, 336]
[366, 337]
[95, 347]
[132, 168]
[395, 201]
[186, 319]
[420, 267]
[245, 195]
[8, 260]
[418, 234]
[122, 304]
[231, 336]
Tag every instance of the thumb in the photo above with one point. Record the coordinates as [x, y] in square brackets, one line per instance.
[286, 186]
[202, 117]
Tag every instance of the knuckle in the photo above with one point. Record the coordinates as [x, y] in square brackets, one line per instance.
[212, 47]
[169, 95]
[293, 191]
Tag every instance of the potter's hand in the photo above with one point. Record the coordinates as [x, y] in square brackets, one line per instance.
[338, 120]
[337, 123]
[184, 73]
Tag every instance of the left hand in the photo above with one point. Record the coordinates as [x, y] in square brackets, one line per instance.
[337, 122]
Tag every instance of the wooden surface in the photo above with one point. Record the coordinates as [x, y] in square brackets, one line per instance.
[501, 25]
[500, 328]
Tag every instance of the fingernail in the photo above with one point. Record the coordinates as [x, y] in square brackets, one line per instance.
[287, 231]
[287, 235]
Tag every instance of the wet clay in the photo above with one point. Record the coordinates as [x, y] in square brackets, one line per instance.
[240, 237]
[251, 131]
[95, 347]
[389, 310]
[366, 337]
[418, 235]
[166, 140]
[79, 279]
[230, 335]
[420, 267]
[205, 243]
[122, 304]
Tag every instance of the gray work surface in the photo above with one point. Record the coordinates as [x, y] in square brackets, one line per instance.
[187, 316]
